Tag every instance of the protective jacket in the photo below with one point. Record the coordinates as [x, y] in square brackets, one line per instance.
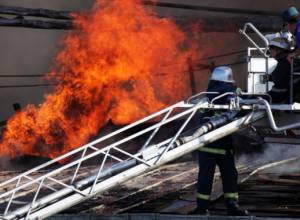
[281, 78]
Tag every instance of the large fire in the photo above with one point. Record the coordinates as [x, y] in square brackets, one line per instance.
[122, 63]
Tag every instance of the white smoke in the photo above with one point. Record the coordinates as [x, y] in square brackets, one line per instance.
[272, 153]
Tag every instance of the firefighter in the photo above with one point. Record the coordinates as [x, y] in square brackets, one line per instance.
[279, 50]
[219, 153]
[292, 24]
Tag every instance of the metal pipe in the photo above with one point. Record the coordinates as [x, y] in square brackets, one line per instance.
[270, 115]
[190, 100]
[220, 96]
[292, 83]
[214, 123]
[267, 75]
[210, 8]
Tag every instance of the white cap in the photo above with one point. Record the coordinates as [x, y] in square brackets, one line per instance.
[283, 40]
[223, 74]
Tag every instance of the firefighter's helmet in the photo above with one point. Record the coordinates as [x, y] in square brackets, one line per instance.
[282, 40]
[223, 74]
[291, 14]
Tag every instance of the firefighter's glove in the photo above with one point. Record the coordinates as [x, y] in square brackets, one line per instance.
[238, 91]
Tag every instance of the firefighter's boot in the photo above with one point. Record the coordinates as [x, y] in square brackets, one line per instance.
[233, 208]
[199, 211]
[202, 207]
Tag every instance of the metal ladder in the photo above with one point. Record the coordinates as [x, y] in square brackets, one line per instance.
[108, 161]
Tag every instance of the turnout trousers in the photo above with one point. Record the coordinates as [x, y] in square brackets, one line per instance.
[208, 159]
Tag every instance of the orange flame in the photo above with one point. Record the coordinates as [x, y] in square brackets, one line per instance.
[122, 63]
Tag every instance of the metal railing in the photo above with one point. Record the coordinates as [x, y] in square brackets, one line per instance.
[263, 51]
[259, 34]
